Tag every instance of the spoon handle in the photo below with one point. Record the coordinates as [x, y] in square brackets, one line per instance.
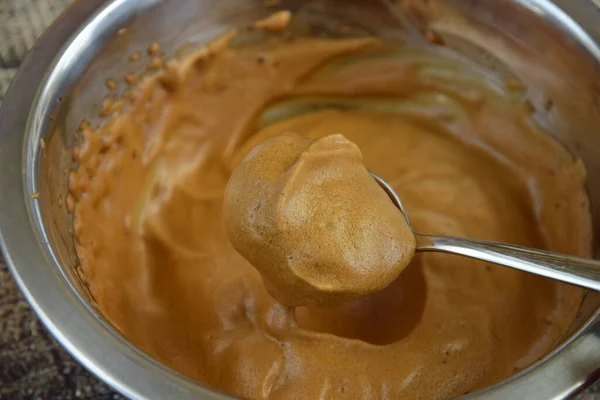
[575, 270]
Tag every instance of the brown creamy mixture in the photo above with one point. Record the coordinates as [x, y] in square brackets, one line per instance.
[310, 217]
[455, 143]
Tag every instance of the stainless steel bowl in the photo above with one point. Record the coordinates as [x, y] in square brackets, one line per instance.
[62, 81]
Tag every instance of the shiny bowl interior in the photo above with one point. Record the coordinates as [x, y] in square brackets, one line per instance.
[532, 40]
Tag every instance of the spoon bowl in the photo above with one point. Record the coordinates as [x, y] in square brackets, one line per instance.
[584, 272]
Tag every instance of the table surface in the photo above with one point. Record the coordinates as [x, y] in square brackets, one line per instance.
[32, 364]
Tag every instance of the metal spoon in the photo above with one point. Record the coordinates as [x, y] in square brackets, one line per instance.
[575, 270]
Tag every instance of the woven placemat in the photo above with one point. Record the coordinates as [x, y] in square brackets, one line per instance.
[32, 364]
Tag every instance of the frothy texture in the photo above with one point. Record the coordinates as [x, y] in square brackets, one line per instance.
[456, 144]
[311, 218]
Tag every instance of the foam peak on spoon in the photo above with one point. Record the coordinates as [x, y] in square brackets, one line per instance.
[312, 220]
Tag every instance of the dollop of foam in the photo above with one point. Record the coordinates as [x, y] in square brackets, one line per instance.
[312, 220]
